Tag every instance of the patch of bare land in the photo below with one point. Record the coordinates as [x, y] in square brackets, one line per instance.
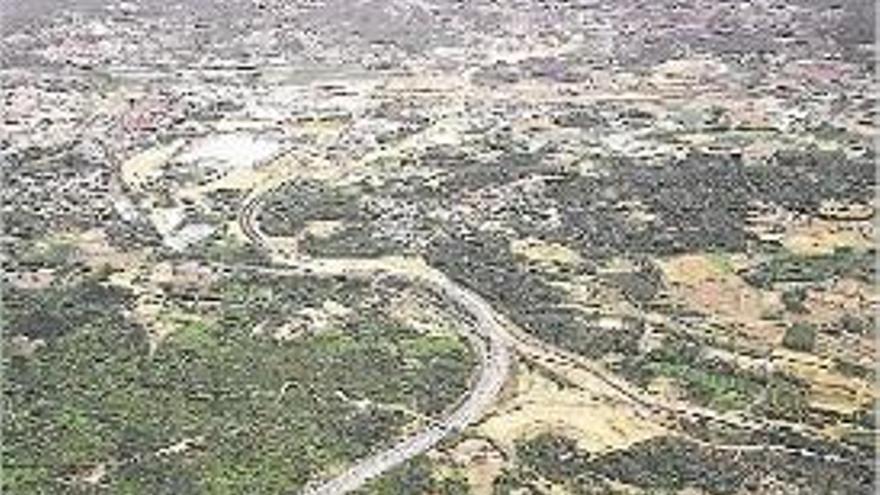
[816, 236]
[710, 284]
[566, 400]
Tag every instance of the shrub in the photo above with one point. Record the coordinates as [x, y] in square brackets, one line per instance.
[854, 325]
[793, 300]
[800, 337]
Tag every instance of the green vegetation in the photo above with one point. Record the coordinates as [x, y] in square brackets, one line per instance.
[711, 388]
[62, 307]
[420, 476]
[288, 210]
[553, 457]
[855, 370]
[655, 465]
[669, 464]
[715, 383]
[784, 397]
[44, 254]
[512, 481]
[721, 261]
[641, 285]
[485, 263]
[223, 248]
[800, 336]
[793, 300]
[855, 325]
[791, 268]
[353, 239]
[708, 382]
[250, 414]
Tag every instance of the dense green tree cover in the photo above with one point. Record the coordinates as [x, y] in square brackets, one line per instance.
[701, 202]
[419, 476]
[256, 415]
[51, 312]
[792, 268]
[289, 208]
[552, 456]
[669, 464]
[352, 240]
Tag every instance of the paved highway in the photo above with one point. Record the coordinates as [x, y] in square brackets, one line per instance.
[492, 337]
[487, 336]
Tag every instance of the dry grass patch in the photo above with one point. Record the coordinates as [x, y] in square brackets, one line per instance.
[818, 237]
[322, 228]
[694, 269]
[544, 253]
[842, 297]
[710, 284]
[586, 412]
[829, 390]
[93, 249]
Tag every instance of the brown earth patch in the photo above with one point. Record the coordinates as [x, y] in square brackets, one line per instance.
[586, 412]
[710, 285]
[816, 237]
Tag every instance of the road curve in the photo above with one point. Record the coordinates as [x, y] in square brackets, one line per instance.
[487, 336]
[493, 337]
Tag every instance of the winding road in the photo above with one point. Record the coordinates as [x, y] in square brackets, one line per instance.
[494, 338]
[488, 337]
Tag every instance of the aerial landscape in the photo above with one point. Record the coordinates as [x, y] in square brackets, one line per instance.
[439, 247]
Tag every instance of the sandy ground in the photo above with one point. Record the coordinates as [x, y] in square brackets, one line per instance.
[839, 298]
[586, 412]
[829, 390]
[322, 228]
